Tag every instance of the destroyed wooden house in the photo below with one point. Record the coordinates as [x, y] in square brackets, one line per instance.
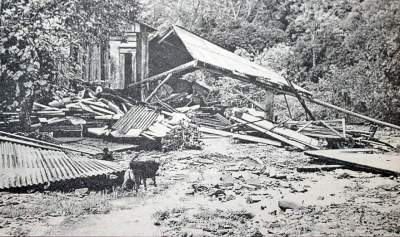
[142, 77]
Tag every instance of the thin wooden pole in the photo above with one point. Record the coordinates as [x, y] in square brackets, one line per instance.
[288, 107]
[158, 87]
[372, 120]
[301, 100]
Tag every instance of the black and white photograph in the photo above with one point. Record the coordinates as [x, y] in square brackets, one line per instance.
[193, 118]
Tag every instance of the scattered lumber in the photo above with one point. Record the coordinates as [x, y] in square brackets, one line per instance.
[292, 135]
[240, 136]
[272, 134]
[365, 159]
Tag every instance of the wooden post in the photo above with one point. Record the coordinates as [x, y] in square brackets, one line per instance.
[288, 107]
[301, 100]
[269, 104]
[158, 87]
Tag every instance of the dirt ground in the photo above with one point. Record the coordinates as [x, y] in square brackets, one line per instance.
[228, 189]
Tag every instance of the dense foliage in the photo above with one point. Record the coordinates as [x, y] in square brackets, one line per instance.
[346, 52]
[36, 38]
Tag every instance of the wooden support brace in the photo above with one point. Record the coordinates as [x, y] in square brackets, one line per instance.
[301, 100]
[158, 87]
[288, 107]
[304, 126]
[332, 129]
[184, 67]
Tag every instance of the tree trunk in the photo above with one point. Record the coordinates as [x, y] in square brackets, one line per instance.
[25, 112]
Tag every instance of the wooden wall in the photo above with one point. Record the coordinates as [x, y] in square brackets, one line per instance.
[107, 63]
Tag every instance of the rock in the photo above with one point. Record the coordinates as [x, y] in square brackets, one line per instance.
[82, 191]
[250, 187]
[237, 186]
[218, 193]
[256, 233]
[284, 205]
[252, 199]
[254, 182]
[320, 198]
[227, 180]
[157, 223]
[191, 232]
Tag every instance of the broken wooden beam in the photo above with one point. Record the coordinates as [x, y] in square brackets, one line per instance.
[271, 134]
[179, 69]
[240, 136]
[288, 133]
[158, 87]
[369, 119]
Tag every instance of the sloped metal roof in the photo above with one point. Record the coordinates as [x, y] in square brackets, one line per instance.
[207, 52]
[23, 165]
[138, 117]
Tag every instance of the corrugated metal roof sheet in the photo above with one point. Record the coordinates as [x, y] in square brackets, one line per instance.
[207, 52]
[23, 165]
[138, 117]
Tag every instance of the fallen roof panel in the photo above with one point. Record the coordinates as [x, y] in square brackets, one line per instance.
[138, 117]
[22, 165]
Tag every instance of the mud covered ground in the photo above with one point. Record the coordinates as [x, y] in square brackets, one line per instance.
[226, 189]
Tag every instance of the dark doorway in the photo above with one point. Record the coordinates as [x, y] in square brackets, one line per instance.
[128, 68]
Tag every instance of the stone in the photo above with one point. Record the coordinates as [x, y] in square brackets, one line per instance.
[256, 233]
[284, 205]
[82, 191]
[252, 199]
[227, 180]
[157, 223]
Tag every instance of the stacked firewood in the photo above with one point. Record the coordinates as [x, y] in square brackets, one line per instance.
[68, 109]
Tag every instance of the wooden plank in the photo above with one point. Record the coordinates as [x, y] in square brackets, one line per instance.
[293, 135]
[158, 87]
[240, 136]
[271, 134]
[179, 69]
[366, 159]
[317, 168]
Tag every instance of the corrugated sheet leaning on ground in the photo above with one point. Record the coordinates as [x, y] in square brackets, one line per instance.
[22, 165]
[138, 117]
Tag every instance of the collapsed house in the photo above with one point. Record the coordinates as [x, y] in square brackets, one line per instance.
[135, 90]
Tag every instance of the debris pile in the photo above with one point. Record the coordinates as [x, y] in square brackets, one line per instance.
[185, 136]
